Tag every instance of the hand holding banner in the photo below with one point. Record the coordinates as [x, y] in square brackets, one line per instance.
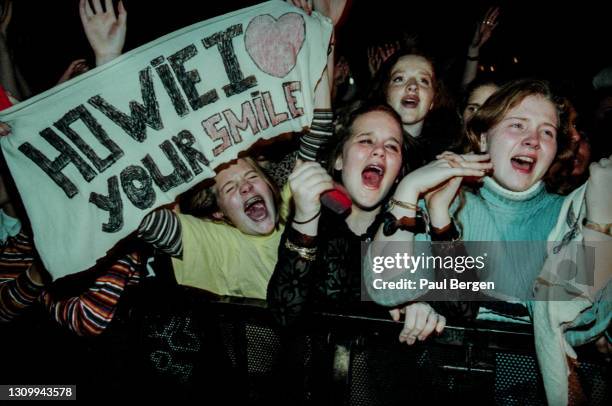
[93, 156]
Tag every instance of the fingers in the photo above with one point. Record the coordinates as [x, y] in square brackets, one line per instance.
[604, 162]
[494, 14]
[471, 157]
[395, 314]
[467, 160]
[75, 63]
[310, 177]
[307, 183]
[421, 320]
[440, 324]
[85, 10]
[466, 172]
[430, 325]
[491, 13]
[303, 4]
[302, 167]
[415, 321]
[97, 6]
[122, 12]
[459, 161]
[317, 183]
[5, 129]
[108, 6]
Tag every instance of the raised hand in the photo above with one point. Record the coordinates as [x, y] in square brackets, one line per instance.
[307, 182]
[485, 28]
[599, 193]
[6, 14]
[75, 68]
[378, 55]
[305, 5]
[439, 199]
[104, 29]
[435, 174]
[334, 9]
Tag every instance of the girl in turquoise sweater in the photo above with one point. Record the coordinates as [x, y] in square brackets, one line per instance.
[524, 127]
[525, 130]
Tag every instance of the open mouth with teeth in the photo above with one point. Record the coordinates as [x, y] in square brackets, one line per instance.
[410, 102]
[523, 164]
[255, 208]
[372, 176]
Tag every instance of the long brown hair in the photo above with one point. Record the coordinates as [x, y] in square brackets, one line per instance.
[509, 96]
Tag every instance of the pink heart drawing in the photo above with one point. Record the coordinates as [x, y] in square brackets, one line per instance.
[274, 44]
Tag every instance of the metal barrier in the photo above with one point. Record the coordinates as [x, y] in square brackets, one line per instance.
[182, 344]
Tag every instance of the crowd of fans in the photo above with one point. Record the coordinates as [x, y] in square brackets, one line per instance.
[419, 162]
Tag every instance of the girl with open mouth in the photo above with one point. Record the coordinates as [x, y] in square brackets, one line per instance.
[319, 257]
[525, 127]
[409, 83]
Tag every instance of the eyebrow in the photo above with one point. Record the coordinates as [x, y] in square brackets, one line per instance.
[247, 173]
[370, 133]
[524, 119]
[420, 71]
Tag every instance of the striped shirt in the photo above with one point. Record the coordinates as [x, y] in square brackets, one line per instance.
[91, 312]
[87, 314]
[318, 136]
[17, 290]
[162, 229]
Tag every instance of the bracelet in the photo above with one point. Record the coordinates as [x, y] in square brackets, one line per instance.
[602, 228]
[472, 58]
[447, 233]
[309, 254]
[415, 225]
[309, 220]
[409, 206]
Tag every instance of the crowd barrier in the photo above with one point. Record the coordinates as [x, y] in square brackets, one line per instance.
[183, 344]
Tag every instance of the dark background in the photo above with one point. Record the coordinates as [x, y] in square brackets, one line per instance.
[570, 41]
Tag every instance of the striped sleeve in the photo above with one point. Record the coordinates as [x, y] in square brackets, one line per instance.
[90, 313]
[320, 133]
[162, 229]
[17, 290]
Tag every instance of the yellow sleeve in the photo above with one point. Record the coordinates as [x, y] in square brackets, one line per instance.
[201, 265]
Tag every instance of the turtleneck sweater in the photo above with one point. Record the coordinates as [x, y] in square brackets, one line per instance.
[512, 230]
[509, 228]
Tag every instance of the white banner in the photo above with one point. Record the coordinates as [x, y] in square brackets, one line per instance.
[93, 156]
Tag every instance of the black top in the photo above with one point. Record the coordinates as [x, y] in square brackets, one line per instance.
[331, 282]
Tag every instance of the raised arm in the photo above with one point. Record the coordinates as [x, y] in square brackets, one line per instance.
[76, 68]
[438, 182]
[21, 283]
[91, 312]
[293, 282]
[483, 33]
[162, 229]
[105, 29]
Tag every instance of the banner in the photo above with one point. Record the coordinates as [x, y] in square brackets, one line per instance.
[95, 155]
